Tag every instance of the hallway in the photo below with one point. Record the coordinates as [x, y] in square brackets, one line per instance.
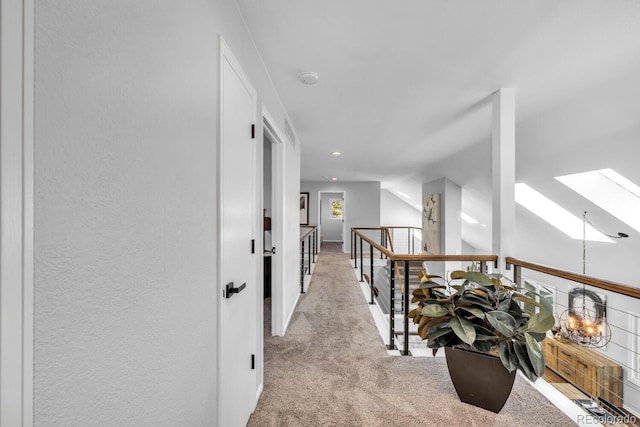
[332, 369]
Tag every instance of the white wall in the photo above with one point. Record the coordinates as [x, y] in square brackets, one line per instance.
[331, 229]
[362, 204]
[125, 220]
[395, 211]
[468, 249]
[291, 249]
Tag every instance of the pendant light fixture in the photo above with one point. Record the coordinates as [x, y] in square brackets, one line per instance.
[586, 326]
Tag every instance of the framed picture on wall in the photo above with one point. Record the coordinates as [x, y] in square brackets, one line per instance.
[304, 208]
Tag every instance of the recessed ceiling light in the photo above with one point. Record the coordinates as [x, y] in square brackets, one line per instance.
[336, 153]
[556, 215]
[308, 77]
[334, 179]
[406, 196]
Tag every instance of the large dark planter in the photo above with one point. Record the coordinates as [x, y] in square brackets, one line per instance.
[479, 379]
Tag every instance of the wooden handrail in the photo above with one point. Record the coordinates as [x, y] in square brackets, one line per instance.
[311, 229]
[587, 280]
[396, 226]
[407, 257]
[376, 245]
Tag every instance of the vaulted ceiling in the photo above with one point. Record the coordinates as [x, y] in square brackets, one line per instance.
[405, 87]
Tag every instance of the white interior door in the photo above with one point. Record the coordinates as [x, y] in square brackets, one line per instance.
[238, 246]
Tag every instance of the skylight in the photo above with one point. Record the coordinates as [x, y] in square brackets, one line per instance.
[556, 215]
[467, 218]
[610, 191]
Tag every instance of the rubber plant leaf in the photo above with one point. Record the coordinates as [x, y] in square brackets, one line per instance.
[434, 310]
[526, 300]
[483, 334]
[475, 311]
[523, 360]
[538, 336]
[439, 330]
[431, 285]
[541, 322]
[511, 307]
[463, 329]
[479, 292]
[475, 300]
[508, 356]
[483, 346]
[503, 322]
[477, 277]
[457, 274]
[534, 349]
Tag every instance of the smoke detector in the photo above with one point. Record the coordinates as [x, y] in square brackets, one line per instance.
[308, 77]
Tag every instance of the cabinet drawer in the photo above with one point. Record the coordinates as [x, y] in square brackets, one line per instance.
[566, 355]
[566, 365]
[567, 372]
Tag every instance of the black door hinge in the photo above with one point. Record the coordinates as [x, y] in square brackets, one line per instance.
[253, 246]
[253, 131]
[253, 361]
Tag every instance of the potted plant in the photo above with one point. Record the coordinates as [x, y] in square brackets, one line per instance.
[481, 317]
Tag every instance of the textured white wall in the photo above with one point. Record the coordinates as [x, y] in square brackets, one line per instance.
[125, 220]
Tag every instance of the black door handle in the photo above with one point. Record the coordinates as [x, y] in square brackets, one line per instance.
[230, 289]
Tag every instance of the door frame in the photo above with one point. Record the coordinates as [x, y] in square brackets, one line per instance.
[17, 103]
[225, 53]
[278, 317]
[344, 214]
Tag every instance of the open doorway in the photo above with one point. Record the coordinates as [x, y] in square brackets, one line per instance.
[331, 212]
[272, 303]
[267, 236]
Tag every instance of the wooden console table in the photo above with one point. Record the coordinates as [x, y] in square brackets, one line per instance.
[593, 373]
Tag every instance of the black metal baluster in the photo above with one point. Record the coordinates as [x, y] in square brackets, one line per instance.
[302, 267]
[353, 234]
[392, 307]
[309, 253]
[315, 244]
[371, 273]
[517, 275]
[405, 351]
[361, 264]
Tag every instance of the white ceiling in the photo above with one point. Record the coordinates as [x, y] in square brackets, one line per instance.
[405, 86]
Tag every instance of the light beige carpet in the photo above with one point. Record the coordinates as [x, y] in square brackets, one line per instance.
[331, 369]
